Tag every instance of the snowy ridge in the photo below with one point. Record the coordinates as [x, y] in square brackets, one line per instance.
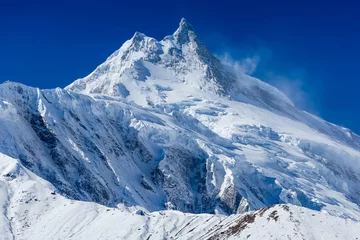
[163, 126]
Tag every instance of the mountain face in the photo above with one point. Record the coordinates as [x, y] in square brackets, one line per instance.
[164, 125]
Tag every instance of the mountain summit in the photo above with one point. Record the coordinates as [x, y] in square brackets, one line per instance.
[163, 126]
[185, 33]
[183, 59]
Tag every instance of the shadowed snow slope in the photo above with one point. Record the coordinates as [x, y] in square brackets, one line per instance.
[161, 126]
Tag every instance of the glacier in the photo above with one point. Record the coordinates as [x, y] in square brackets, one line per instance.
[167, 136]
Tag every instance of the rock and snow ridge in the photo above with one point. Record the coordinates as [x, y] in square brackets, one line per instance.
[164, 125]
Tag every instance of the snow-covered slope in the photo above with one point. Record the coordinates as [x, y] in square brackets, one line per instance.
[33, 210]
[164, 125]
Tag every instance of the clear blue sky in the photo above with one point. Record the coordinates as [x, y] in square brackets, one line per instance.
[309, 50]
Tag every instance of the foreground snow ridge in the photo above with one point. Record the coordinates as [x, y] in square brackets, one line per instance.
[163, 141]
[33, 210]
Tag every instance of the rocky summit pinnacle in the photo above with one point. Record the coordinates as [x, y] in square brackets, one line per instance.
[138, 36]
[185, 32]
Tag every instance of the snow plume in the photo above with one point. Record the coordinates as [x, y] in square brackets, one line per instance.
[292, 82]
[248, 56]
[295, 85]
[247, 65]
[291, 87]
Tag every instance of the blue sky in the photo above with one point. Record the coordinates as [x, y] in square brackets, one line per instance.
[309, 50]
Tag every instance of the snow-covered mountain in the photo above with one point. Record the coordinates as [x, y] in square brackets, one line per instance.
[164, 125]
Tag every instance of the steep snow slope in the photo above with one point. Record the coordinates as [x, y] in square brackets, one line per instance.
[163, 125]
[34, 211]
[110, 152]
